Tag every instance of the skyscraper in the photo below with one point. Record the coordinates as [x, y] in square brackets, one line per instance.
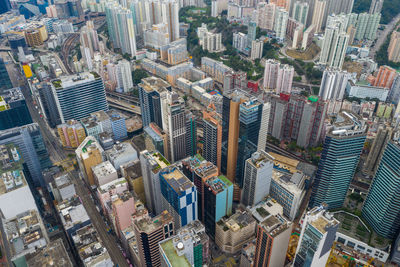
[149, 232]
[339, 160]
[48, 102]
[376, 6]
[191, 134]
[4, 6]
[152, 163]
[317, 235]
[121, 28]
[278, 77]
[318, 14]
[337, 7]
[300, 12]
[380, 208]
[31, 144]
[178, 196]
[257, 178]
[266, 15]
[212, 136]
[251, 33]
[281, 19]
[124, 76]
[13, 109]
[333, 84]
[5, 82]
[79, 95]
[394, 94]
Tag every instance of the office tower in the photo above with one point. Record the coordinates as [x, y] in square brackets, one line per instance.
[178, 196]
[333, 84]
[376, 6]
[150, 90]
[121, 28]
[79, 95]
[300, 12]
[151, 164]
[4, 6]
[212, 136]
[337, 7]
[49, 104]
[124, 76]
[273, 234]
[257, 178]
[149, 232]
[13, 109]
[383, 136]
[278, 77]
[191, 134]
[394, 47]
[88, 154]
[385, 77]
[334, 45]
[251, 33]
[71, 133]
[288, 187]
[189, 246]
[256, 49]
[318, 14]
[316, 238]
[394, 93]
[217, 198]
[5, 82]
[30, 143]
[266, 15]
[339, 160]
[174, 118]
[379, 208]
[280, 23]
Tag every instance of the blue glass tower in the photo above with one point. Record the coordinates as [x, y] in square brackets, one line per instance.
[382, 206]
[13, 109]
[339, 160]
[5, 82]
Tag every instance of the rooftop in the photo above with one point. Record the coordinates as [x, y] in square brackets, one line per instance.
[103, 169]
[72, 212]
[90, 143]
[241, 218]
[176, 179]
[148, 224]
[10, 158]
[66, 82]
[218, 184]
[260, 158]
[154, 84]
[292, 182]
[54, 254]
[156, 160]
[9, 96]
[348, 124]
[171, 253]
[265, 209]
[121, 150]
[205, 169]
[320, 219]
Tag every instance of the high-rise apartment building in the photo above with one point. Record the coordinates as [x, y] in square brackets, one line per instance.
[394, 47]
[339, 160]
[149, 232]
[380, 208]
[178, 196]
[188, 247]
[367, 26]
[300, 12]
[89, 154]
[239, 42]
[89, 38]
[151, 164]
[256, 49]
[385, 77]
[212, 136]
[251, 33]
[334, 45]
[278, 77]
[215, 69]
[257, 178]
[318, 14]
[124, 76]
[280, 23]
[71, 133]
[317, 235]
[5, 82]
[13, 109]
[333, 84]
[79, 95]
[376, 6]
[121, 27]
[266, 15]
[157, 36]
[282, 3]
[337, 7]
[211, 42]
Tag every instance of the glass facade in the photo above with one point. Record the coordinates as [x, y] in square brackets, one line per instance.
[5, 82]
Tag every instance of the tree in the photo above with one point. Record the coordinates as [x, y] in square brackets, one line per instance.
[126, 56]
[138, 75]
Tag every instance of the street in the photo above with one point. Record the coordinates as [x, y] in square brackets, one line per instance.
[57, 153]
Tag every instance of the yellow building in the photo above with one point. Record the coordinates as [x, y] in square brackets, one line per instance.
[71, 134]
[89, 154]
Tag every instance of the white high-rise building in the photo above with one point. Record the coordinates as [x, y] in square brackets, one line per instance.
[333, 85]
[240, 41]
[266, 15]
[256, 49]
[376, 6]
[278, 77]
[257, 178]
[214, 8]
[318, 14]
[317, 235]
[280, 24]
[124, 76]
[334, 45]
[300, 12]
[157, 36]
[208, 40]
[170, 16]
